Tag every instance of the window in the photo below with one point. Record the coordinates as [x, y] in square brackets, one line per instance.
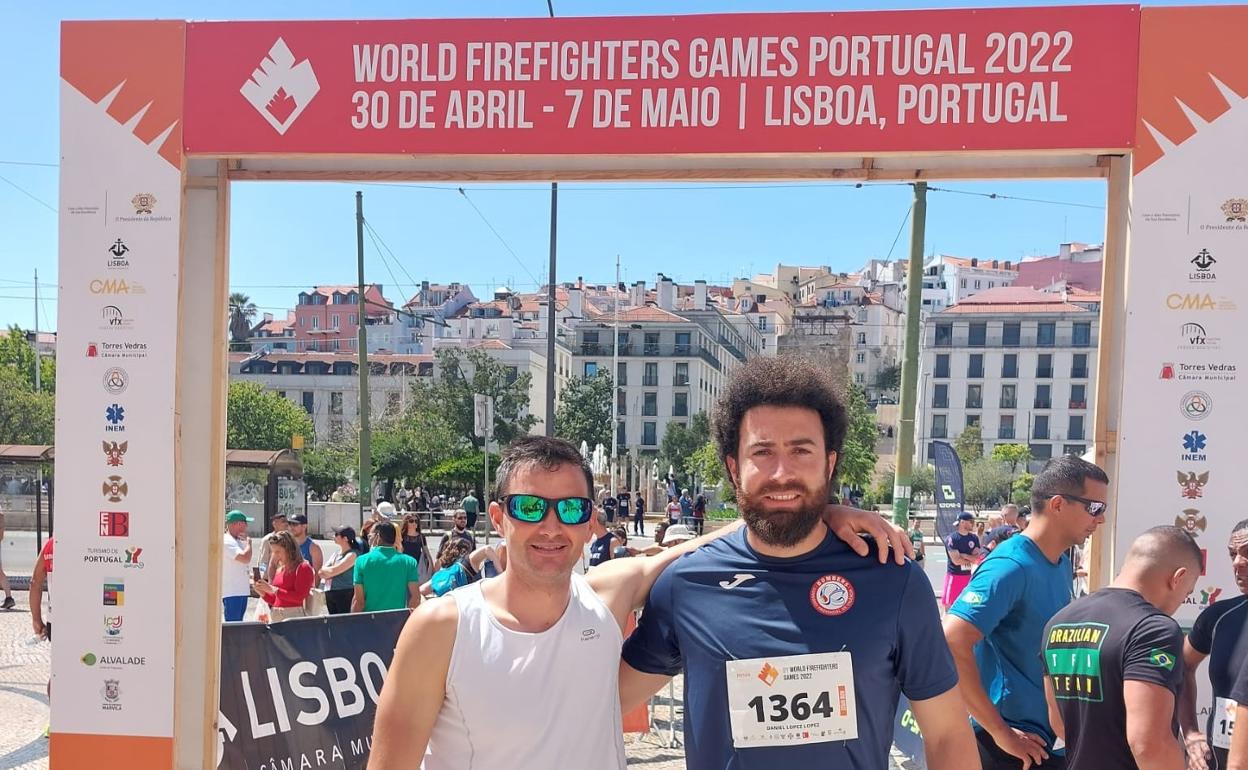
[1046, 334]
[1043, 400]
[1079, 366]
[1006, 428]
[1010, 334]
[1041, 451]
[860, 378]
[1078, 396]
[944, 335]
[334, 346]
[762, 323]
[680, 407]
[621, 374]
[621, 403]
[978, 335]
[513, 374]
[1075, 431]
[972, 420]
[940, 396]
[939, 430]
[862, 338]
[963, 283]
[974, 396]
[682, 374]
[992, 284]
[650, 404]
[648, 430]
[281, 394]
[977, 283]
[393, 401]
[1009, 366]
[860, 357]
[591, 368]
[683, 348]
[1074, 449]
[975, 366]
[845, 295]
[303, 322]
[651, 347]
[1044, 366]
[1009, 396]
[335, 402]
[651, 377]
[626, 349]
[351, 319]
[1082, 335]
[307, 401]
[316, 322]
[621, 434]
[942, 366]
[1040, 429]
[334, 321]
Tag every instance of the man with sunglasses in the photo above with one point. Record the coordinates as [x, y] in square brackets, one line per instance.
[995, 629]
[794, 650]
[521, 671]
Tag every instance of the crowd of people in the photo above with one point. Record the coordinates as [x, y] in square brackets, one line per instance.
[795, 635]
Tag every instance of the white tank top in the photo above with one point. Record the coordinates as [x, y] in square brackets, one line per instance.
[521, 701]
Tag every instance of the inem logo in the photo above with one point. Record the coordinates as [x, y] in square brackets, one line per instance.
[281, 88]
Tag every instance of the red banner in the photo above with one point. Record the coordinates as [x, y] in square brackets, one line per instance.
[866, 82]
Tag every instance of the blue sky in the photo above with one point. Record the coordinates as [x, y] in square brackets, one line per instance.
[287, 236]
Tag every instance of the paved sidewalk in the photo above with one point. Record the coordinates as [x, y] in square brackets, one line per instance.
[23, 703]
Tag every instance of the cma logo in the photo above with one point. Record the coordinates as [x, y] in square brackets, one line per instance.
[1197, 301]
[115, 286]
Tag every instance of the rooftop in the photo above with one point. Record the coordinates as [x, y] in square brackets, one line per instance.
[1014, 299]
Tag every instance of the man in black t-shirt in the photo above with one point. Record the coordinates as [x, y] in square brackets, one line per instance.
[1113, 660]
[1218, 634]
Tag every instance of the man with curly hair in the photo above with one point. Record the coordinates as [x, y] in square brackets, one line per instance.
[794, 650]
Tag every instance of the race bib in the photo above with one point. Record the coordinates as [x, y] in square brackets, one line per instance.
[1223, 722]
[792, 700]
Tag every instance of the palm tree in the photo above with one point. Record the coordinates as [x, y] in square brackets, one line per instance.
[242, 310]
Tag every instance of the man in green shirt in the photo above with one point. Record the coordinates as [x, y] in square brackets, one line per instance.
[471, 507]
[385, 578]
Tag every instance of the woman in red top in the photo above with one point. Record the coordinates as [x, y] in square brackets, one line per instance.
[292, 579]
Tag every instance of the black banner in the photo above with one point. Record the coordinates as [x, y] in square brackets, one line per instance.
[302, 693]
[948, 487]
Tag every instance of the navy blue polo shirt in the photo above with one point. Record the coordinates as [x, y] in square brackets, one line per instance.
[727, 601]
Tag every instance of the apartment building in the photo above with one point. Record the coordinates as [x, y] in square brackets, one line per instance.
[1019, 363]
[327, 385]
[327, 318]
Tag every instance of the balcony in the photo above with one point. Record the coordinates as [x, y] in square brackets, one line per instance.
[1079, 373]
[1079, 405]
[1040, 434]
[680, 380]
[680, 411]
[1042, 403]
[1009, 403]
[1044, 372]
[975, 372]
[1009, 372]
[650, 349]
[939, 432]
[1005, 432]
[594, 349]
[1011, 342]
[941, 373]
[1075, 435]
[648, 381]
[940, 403]
[650, 410]
[682, 349]
[974, 403]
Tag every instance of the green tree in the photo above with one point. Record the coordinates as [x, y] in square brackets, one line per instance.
[1021, 490]
[18, 354]
[410, 445]
[1012, 456]
[704, 464]
[889, 378]
[26, 417]
[985, 483]
[922, 481]
[328, 465]
[969, 444]
[242, 311]
[464, 373]
[462, 471]
[585, 411]
[257, 418]
[856, 464]
[680, 442]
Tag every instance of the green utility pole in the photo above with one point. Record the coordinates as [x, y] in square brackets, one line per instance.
[910, 361]
[366, 452]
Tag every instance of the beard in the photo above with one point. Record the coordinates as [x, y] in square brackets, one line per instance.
[783, 528]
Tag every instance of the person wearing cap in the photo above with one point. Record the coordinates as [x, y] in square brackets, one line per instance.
[236, 558]
[964, 551]
[310, 550]
[676, 534]
[265, 561]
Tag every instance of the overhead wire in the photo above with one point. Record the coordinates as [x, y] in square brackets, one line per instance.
[500, 238]
[28, 194]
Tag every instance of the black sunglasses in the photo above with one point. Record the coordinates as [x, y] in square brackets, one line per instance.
[1094, 507]
[531, 509]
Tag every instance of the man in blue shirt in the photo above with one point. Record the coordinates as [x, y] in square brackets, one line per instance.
[995, 629]
[963, 550]
[794, 649]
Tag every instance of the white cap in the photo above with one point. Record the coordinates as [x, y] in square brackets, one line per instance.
[677, 533]
[386, 509]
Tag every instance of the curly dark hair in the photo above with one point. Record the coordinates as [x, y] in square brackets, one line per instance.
[777, 381]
